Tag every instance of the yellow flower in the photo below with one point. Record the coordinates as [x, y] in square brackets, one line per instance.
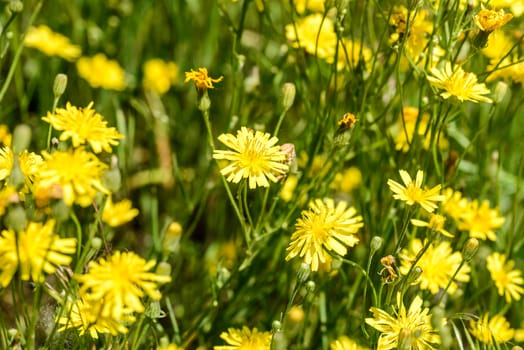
[413, 325]
[159, 75]
[311, 5]
[515, 6]
[86, 317]
[438, 264]
[288, 188]
[316, 34]
[77, 172]
[405, 130]
[481, 220]
[486, 330]
[8, 195]
[510, 67]
[498, 45]
[508, 280]
[245, 339]
[51, 43]
[413, 193]
[30, 165]
[116, 214]
[83, 125]
[101, 72]
[120, 281]
[34, 251]
[201, 79]
[5, 135]
[169, 347]
[489, 20]
[345, 343]
[254, 156]
[324, 227]
[436, 223]
[350, 54]
[348, 180]
[456, 82]
[454, 205]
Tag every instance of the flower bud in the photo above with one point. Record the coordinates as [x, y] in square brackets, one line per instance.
[96, 243]
[59, 85]
[303, 272]
[15, 6]
[288, 95]
[21, 138]
[16, 218]
[500, 91]
[279, 341]
[412, 278]
[163, 269]
[376, 244]
[205, 102]
[16, 178]
[111, 179]
[310, 286]
[470, 249]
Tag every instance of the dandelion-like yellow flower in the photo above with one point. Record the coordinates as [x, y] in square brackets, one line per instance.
[510, 67]
[456, 82]
[489, 20]
[116, 214]
[481, 220]
[311, 5]
[412, 325]
[413, 193]
[201, 79]
[486, 330]
[324, 227]
[345, 343]
[435, 223]
[348, 180]
[30, 165]
[77, 172]
[5, 135]
[51, 43]
[454, 205]
[159, 75]
[86, 317]
[413, 124]
[508, 280]
[245, 339]
[84, 125]
[101, 72]
[316, 34]
[120, 281]
[438, 264]
[34, 251]
[254, 156]
[515, 6]
[8, 195]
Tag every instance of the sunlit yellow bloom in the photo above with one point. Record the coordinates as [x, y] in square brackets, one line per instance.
[405, 130]
[169, 347]
[116, 214]
[245, 339]
[322, 228]
[254, 155]
[86, 317]
[413, 193]
[436, 223]
[489, 20]
[101, 72]
[288, 188]
[345, 343]
[33, 251]
[311, 5]
[77, 172]
[120, 280]
[316, 34]
[454, 205]
[508, 280]
[201, 79]
[5, 136]
[438, 264]
[412, 325]
[456, 82]
[51, 43]
[30, 165]
[515, 6]
[348, 180]
[498, 45]
[481, 220]
[159, 75]
[8, 195]
[510, 67]
[486, 330]
[83, 125]
[351, 53]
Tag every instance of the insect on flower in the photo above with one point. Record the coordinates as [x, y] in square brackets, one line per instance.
[388, 273]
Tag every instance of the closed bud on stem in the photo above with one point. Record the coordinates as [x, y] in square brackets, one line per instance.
[376, 244]
[112, 179]
[163, 269]
[310, 286]
[205, 102]
[500, 91]
[303, 272]
[16, 178]
[21, 138]
[59, 85]
[279, 341]
[96, 243]
[516, 347]
[470, 249]
[16, 218]
[414, 275]
[288, 95]
[15, 6]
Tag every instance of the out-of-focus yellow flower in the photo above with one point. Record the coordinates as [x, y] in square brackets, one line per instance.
[480, 220]
[100, 72]
[120, 281]
[435, 223]
[316, 34]
[509, 281]
[345, 343]
[456, 82]
[498, 45]
[245, 339]
[159, 75]
[510, 67]
[34, 251]
[288, 188]
[515, 6]
[254, 156]
[497, 328]
[454, 204]
[83, 125]
[348, 180]
[489, 20]
[5, 135]
[351, 53]
[86, 317]
[310, 5]
[201, 79]
[30, 165]
[116, 214]
[8, 195]
[77, 173]
[51, 43]
[322, 228]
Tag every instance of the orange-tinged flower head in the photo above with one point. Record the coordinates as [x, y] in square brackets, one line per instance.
[201, 79]
[489, 20]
